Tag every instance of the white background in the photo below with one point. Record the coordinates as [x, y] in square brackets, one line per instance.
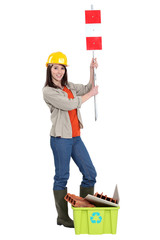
[124, 143]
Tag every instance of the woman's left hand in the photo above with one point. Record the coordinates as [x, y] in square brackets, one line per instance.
[94, 63]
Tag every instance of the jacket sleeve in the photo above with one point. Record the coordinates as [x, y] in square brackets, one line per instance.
[59, 101]
[81, 89]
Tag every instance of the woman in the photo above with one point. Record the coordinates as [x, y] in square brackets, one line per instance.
[64, 100]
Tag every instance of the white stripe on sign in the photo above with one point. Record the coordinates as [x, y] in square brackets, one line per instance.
[93, 30]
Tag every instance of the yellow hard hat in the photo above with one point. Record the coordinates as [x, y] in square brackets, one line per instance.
[57, 58]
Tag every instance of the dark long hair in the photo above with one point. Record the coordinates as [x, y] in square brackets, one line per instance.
[49, 81]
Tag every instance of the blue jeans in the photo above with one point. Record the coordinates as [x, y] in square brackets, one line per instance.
[65, 148]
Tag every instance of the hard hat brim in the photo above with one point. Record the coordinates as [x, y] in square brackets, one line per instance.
[57, 64]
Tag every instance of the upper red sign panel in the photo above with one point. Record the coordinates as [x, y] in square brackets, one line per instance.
[92, 16]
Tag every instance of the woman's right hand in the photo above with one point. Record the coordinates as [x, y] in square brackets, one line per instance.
[91, 93]
[94, 91]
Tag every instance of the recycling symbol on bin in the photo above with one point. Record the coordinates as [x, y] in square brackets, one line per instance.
[96, 217]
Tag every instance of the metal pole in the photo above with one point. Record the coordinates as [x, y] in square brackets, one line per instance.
[94, 79]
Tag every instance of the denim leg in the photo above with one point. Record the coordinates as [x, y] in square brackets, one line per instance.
[82, 159]
[61, 148]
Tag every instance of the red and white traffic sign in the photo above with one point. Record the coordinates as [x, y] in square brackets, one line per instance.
[93, 24]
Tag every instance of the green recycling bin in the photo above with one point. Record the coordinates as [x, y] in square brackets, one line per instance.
[98, 220]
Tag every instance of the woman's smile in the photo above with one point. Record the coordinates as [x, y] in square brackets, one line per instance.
[59, 76]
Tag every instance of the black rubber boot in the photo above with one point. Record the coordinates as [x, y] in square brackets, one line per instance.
[85, 191]
[62, 209]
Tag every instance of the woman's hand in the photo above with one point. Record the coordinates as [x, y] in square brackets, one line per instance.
[94, 63]
[91, 93]
[94, 91]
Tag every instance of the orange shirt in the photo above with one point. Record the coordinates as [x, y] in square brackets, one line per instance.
[73, 116]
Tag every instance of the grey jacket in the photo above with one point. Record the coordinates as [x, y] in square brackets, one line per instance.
[59, 104]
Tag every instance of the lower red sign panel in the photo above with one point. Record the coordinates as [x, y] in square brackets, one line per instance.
[94, 43]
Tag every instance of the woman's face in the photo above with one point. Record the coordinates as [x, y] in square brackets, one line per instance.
[57, 72]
